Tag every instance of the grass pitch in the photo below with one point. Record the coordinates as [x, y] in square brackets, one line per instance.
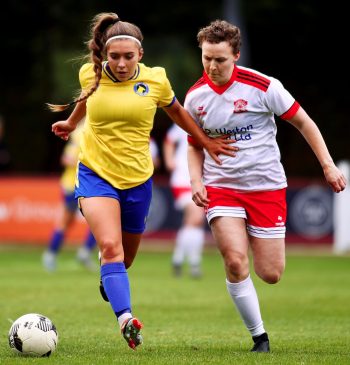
[186, 321]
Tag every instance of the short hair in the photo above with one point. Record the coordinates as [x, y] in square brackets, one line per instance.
[221, 31]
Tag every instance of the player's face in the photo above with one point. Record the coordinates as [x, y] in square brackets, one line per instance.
[218, 61]
[123, 56]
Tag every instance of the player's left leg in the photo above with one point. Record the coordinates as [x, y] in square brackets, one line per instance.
[266, 226]
[269, 264]
[131, 243]
[269, 258]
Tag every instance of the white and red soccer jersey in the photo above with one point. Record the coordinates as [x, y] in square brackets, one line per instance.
[243, 108]
[180, 177]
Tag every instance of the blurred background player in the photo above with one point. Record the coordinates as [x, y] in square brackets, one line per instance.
[190, 237]
[69, 208]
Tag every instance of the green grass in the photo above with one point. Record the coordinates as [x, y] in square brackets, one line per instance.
[307, 315]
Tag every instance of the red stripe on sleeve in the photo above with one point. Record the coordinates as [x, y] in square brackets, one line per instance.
[291, 111]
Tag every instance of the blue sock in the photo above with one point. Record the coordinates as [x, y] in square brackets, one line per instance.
[116, 285]
[90, 242]
[56, 241]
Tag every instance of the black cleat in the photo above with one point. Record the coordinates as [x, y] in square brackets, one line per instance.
[261, 343]
[102, 291]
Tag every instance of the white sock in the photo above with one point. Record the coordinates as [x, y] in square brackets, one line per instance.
[180, 247]
[123, 318]
[246, 300]
[194, 245]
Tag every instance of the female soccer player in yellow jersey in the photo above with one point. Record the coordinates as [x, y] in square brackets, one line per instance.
[120, 97]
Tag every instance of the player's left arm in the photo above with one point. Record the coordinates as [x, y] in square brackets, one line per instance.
[313, 136]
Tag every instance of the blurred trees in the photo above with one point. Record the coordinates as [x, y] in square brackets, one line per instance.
[300, 42]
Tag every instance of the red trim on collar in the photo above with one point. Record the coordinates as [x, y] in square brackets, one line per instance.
[220, 89]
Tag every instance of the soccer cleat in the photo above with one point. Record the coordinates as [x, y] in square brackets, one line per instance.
[49, 260]
[131, 332]
[102, 292]
[261, 343]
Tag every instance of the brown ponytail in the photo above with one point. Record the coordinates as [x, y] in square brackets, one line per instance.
[96, 44]
[103, 27]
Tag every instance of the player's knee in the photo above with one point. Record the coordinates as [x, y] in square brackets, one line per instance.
[272, 276]
[236, 265]
[110, 250]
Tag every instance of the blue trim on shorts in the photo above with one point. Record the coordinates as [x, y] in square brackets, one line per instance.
[134, 202]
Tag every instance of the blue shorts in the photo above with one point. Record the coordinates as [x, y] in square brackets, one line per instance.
[70, 201]
[134, 202]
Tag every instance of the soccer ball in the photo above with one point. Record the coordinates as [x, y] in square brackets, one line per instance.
[34, 335]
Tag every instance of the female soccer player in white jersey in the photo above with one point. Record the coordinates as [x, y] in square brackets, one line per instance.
[190, 237]
[245, 197]
[120, 97]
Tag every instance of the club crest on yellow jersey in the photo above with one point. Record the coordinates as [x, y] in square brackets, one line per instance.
[141, 88]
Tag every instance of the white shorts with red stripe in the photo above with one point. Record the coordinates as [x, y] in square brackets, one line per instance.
[265, 212]
[182, 196]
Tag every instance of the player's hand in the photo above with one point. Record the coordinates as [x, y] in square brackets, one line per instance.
[220, 145]
[335, 178]
[199, 194]
[62, 129]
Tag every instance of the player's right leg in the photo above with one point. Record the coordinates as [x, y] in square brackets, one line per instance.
[108, 211]
[232, 240]
[104, 218]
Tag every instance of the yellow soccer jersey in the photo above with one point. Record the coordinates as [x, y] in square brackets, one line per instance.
[119, 120]
[71, 153]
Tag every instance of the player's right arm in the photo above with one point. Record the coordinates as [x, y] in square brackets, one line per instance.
[63, 128]
[195, 158]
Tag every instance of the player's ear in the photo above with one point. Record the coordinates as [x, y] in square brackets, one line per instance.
[140, 54]
[236, 56]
